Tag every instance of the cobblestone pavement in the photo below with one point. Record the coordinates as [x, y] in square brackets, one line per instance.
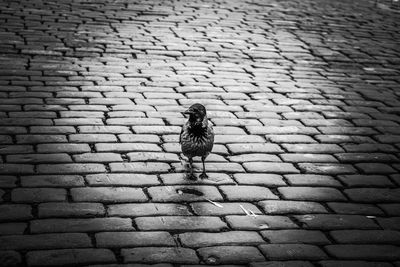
[304, 98]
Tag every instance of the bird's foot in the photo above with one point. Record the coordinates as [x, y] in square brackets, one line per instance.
[203, 176]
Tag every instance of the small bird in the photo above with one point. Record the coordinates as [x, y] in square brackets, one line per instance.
[197, 137]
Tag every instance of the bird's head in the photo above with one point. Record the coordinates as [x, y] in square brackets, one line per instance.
[197, 114]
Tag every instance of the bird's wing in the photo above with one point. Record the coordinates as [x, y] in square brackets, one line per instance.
[210, 133]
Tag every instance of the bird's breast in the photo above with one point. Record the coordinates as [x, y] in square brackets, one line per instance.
[196, 145]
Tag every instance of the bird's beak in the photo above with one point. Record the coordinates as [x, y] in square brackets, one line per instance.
[188, 112]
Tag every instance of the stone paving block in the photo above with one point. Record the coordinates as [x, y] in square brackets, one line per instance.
[261, 222]
[13, 228]
[292, 252]
[214, 178]
[160, 130]
[69, 256]
[230, 254]
[366, 236]
[36, 195]
[138, 138]
[153, 156]
[13, 130]
[282, 130]
[52, 130]
[77, 121]
[45, 241]
[52, 181]
[311, 194]
[97, 157]
[10, 258]
[270, 180]
[126, 147]
[7, 168]
[373, 195]
[369, 148]
[147, 209]
[233, 139]
[61, 209]
[282, 264]
[104, 129]
[346, 130]
[295, 237]
[246, 193]
[391, 209]
[360, 180]
[162, 254]
[308, 158]
[375, 168]
[80, 225]
[283, 138]
[364, 252]
[223, 208]
[327, 168]
[70, 168]
[353, 263]
[140, 167]
[366, 157]
[335, 221]
[254, 157]
[133, 239]
[181, 223]
[278, 123]
[24, 121]
[39, 158]
[239, 148]
[339, 139]
[231, 238]
[15, 149]
[8, 181]
[389, 223]
[121, 179]
[354, 208]
[184, 193]
[15, 212]
[289, 206]
[312, 148]
[312, 180]
[270, 167]
[108, 194]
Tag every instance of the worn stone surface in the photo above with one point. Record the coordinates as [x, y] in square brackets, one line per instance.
[303, 97]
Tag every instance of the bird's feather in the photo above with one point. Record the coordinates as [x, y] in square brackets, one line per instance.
[196, 141]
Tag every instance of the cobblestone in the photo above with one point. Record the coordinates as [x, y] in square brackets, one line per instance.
[69, 256]
[108, 194]
[365, 252]
[133, 239]
[303, 99]
[292, 252]
[180, 223]
[200, 239]
[296, 236]
[230, 254]
[56, 209]
[156, 255]
[45, 241]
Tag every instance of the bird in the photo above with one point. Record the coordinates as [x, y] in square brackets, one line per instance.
[196, 137]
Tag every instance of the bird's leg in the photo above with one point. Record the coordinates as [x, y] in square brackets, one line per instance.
[203, 175]
[191, 176]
